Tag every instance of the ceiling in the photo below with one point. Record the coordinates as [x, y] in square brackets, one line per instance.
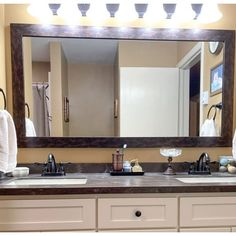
[83, 51]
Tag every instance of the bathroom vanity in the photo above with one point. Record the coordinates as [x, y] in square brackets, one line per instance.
[151, 202]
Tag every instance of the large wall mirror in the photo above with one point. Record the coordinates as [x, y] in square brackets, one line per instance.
[103, 87]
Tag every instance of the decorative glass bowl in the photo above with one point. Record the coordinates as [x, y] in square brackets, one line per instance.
[170, 153]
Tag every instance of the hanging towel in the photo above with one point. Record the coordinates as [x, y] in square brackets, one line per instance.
[8, 143]
[12, 143]
[29, 126]
[3, 142]
[209, 128]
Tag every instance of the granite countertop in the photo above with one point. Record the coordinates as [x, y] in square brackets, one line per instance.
[104, 183]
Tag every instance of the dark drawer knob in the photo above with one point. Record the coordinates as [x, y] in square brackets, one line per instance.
[138, 213]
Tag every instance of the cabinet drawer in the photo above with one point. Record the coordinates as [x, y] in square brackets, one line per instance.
[221, 229]
[136, 213]
[208, 211]
[59, 214]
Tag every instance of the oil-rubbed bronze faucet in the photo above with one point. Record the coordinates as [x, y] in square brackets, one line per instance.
[203, 162]
[51, 164]
[51, 169]
[202, 166]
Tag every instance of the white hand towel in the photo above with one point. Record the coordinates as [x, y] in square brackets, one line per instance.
[12, 143]
[29, 126]
[3, 142]
[208, 128]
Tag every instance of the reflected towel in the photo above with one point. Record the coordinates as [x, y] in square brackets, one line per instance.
[209, 128]
[29, 126]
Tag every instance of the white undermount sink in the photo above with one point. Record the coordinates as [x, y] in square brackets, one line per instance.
[47, 181]
[192, 180]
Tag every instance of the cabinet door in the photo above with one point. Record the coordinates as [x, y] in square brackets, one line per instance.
[37, 215]
[135, 213]
[207, 211]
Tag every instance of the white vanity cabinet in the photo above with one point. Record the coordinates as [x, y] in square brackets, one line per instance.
[137, 213]
[208, 214]
[184, 212]
[47, 214]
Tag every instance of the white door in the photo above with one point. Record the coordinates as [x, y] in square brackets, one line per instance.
[146, 109]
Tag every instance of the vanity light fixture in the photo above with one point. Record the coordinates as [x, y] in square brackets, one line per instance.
[112, 9]
[197, 9]
[169, 9]
[83, 7]
[54, 8]
[141, 9]
[152, 11]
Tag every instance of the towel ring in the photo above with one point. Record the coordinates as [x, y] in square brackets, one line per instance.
[219, 106]
[4, 98]
[208, 114]
[28, 110]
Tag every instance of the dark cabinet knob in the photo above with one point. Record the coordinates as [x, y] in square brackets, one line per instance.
[138, 213]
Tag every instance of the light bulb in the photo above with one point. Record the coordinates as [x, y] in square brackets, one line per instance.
[41, 11]
[155, 12]
[209, 13]
[98, 12]
[126, 12]
[70, 12]
[183, 12]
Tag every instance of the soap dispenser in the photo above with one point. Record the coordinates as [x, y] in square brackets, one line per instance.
[126, 166]
[136, 167]
[117, 160]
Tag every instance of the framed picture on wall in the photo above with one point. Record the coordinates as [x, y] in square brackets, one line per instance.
[216, 79]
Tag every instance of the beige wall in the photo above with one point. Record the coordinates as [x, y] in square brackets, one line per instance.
[40, 71]
[147, 54]
[210, 61]
[27, 62]
[183, 48]
[18, 14]
[2, 56]
[91, 113]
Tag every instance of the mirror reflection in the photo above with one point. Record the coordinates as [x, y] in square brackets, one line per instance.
[121, 88]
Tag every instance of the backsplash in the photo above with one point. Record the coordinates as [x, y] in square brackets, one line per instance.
[107, 167]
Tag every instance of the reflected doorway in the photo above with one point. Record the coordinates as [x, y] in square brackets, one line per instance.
[194, 98]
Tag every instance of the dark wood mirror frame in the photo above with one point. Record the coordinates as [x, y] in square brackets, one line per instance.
[18, 31]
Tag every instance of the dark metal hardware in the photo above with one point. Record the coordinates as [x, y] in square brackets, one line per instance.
[28, 110]
[201, 166]
[138, 213]
[4, 99]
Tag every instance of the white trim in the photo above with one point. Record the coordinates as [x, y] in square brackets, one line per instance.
[190, 59]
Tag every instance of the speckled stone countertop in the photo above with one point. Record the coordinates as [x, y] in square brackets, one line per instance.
[104, 183]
